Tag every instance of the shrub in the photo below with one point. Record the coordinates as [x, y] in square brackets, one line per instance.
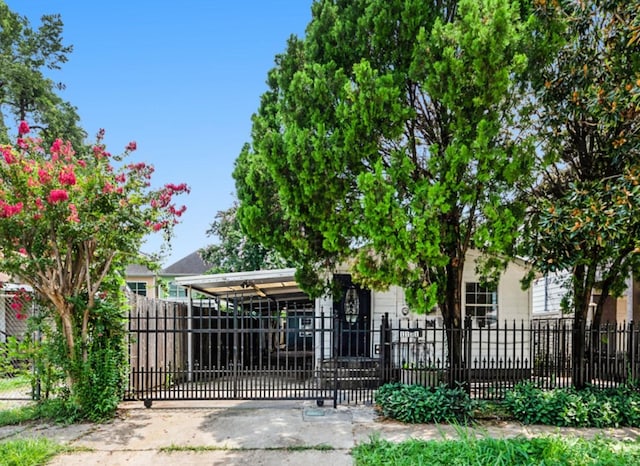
[568, 407]
[418, 404]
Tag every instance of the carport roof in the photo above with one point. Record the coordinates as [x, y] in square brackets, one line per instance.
[274, 284]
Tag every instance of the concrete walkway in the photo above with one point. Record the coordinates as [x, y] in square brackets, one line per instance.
[250, 433]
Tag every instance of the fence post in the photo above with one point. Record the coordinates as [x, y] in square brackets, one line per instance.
[632, 353]
[337, 328]
[385, 350]
[467, 344]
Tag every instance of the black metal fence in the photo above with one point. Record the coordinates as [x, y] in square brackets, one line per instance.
[229, 349]
[496, 357]
[258, 349]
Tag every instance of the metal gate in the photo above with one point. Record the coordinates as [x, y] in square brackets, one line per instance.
[242, 349]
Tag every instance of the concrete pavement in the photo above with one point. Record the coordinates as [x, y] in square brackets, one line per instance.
[255, 433]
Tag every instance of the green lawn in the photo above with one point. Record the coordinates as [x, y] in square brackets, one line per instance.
[552, 450]
[28, 452]
[10, 384]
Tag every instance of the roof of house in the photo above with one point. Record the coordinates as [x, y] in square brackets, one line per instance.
[188, 265]
[138, 270]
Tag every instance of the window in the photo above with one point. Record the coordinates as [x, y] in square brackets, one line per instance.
[139, 288]
[177, 291]
[481, 303]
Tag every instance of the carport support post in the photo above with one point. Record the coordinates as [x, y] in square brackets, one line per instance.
[189, 336]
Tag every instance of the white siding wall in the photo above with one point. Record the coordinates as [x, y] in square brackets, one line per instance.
[547, 294]
[514, 303]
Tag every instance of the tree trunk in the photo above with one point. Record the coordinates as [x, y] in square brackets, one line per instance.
[583, 280]
[452, 316]
[578, 355]
[66, 319]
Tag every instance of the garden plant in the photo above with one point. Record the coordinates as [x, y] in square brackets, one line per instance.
[72, 219]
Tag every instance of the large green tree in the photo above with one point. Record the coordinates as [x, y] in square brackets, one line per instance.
[387, 136]
[585, 212]
[234, 251]
[26, 93]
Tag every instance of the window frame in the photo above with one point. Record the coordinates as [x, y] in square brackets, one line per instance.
[136, 287]
[483, 298]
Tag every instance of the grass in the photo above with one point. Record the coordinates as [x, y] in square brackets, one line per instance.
[199, 449]
[551, 450]
[28, 452]
[9, 384]
[18, 415]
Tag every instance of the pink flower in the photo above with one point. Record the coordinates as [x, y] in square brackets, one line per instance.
[67, 177]
[99, 152]
[44, 176]
[55, 147]
[16, 305]
[22, 251]
[8, 210]
[139, 166]
[107, 188]
[57, 195]
[177, 212]
[22, 144]
[73, 216]
[177, 188]
[121, 178]
[8, 156]
[23, 128]
[131, 146]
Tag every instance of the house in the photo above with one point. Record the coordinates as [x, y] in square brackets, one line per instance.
[283, 321]
[15, 307]
[141, 280]
[549, 290]
[161, 284]
[192, 264]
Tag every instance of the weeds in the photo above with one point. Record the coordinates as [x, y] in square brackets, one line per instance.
[489, 451]
[28, 452]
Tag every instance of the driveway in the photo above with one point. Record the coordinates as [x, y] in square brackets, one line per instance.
[255, 433]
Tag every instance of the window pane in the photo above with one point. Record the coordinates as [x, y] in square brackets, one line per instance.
[139, 288]
[481, 302]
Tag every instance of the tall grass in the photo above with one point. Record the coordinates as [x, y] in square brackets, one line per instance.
[14, 383]
[18, 415]
[28, 452]
[552, 450]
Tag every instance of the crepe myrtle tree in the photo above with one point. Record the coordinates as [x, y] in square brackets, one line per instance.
[67, 219]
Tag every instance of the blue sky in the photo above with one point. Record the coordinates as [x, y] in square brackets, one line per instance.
[182, 79]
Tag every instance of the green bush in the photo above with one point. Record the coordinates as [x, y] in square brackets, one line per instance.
[101, 377]
[418, 404]
[98, 374]
[568, 407]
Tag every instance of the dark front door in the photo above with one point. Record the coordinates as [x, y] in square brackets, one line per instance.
[353, 312]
